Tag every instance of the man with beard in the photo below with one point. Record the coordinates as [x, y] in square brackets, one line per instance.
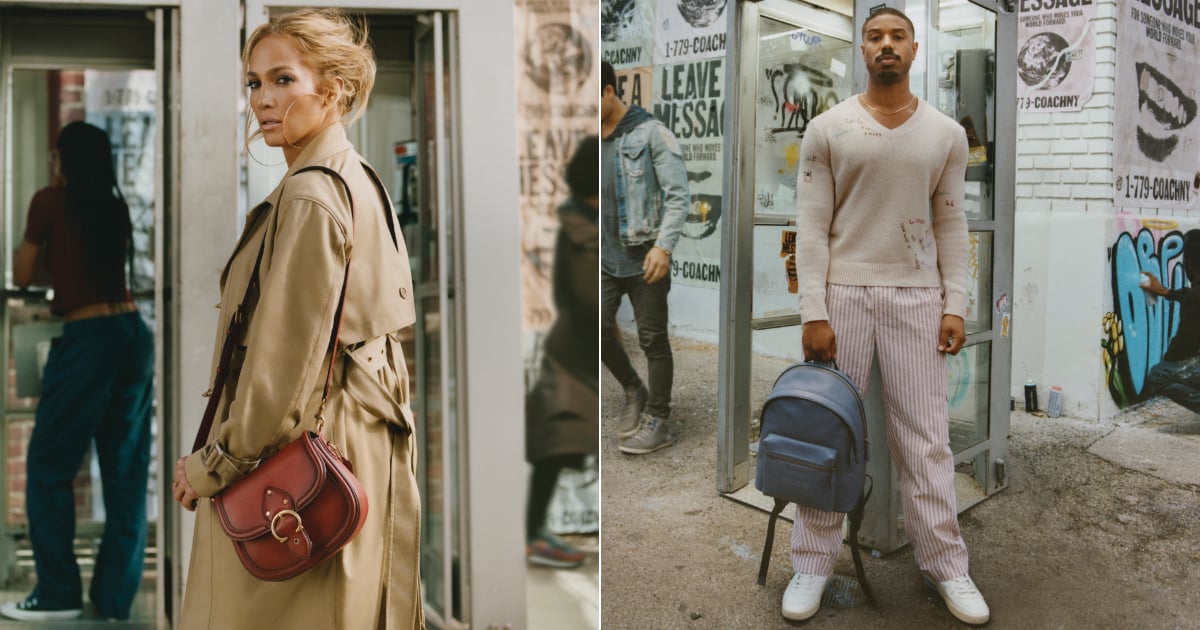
[882, 244]
[644, 203]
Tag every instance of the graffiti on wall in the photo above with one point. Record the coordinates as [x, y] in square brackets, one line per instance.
[1139, 328]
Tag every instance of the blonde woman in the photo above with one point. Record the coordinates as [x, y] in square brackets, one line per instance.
[308, 73]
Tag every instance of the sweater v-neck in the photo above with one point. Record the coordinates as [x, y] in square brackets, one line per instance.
[904, 128]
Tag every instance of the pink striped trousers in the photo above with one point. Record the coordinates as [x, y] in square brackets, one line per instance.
[901, 325]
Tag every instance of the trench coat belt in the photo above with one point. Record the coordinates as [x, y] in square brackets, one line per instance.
[368, 392]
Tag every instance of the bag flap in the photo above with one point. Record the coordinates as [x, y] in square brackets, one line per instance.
[292, 476]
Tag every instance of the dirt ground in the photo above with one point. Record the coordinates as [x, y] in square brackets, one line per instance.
[1075, 541]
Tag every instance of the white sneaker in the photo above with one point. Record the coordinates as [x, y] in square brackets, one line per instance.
[964, 600]
[802, 599]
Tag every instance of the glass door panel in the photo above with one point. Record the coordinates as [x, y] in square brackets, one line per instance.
[969, 393]
[979, 285]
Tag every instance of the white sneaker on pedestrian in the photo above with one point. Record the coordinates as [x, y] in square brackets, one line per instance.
[802, 599]
[963, 599]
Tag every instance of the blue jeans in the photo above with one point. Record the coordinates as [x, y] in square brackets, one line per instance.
[1179, 381]
[97, 385]
[649, 303]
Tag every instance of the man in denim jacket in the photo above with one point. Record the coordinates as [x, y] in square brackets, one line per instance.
[644, 202]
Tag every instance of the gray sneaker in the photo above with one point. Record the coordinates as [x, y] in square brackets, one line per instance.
[651, 435]
[631, 411]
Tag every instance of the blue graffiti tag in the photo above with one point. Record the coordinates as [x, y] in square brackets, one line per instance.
[1148, 324]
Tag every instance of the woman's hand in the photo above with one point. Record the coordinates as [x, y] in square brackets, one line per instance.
[184, 494]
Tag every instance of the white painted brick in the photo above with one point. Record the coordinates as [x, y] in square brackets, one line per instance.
[1106, 57]
[1104, 145]
[1101, 101]
[1067, 205]
[1105, 85]
[1029, 176]
[1052, 161]
[1032, 118]
[1070, 146]
[1024, 191]
[1092, 161]
[1073, 177]
[1091, 191]
[1039, 132]
[1034, 147]
[1050, 191]
[1024, 161]
[1099, 176]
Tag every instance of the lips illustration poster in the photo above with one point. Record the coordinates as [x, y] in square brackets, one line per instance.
[1156, 137]
[690, 29]
[1056, 55]
[627, 32]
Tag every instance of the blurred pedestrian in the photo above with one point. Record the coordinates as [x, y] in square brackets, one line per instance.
[646, 202]
[309, 73]
[97, 385]
[562, 419]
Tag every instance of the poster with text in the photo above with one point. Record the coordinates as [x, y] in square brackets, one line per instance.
[627, 32]
[1156, 139]
[1056, 58]
[689, 99]
[635, 86]
[557, 105]
[690, 29]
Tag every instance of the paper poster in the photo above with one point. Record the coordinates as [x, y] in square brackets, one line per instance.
[689, 99]
[635, 86]
[1056, 58]
[557, 105]
[1156, 139]
[627, 32]
[690, 29]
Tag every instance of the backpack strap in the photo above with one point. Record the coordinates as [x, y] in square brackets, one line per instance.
[766, 554]
[856, 518]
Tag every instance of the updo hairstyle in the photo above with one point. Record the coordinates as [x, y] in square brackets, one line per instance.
[334, 46]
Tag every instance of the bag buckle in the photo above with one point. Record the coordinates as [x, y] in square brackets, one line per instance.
[274, 519]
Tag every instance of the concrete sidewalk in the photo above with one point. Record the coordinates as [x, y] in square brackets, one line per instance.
[1099, 528]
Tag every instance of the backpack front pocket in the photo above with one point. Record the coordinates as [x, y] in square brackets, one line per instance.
[798, 471]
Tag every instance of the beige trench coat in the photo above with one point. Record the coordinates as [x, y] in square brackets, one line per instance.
[274, 388]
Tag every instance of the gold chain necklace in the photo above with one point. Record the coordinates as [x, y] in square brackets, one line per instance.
[891, 113]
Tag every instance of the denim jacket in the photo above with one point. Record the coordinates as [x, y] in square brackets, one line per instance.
[652, 187]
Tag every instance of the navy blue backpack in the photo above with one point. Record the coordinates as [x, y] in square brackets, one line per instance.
[812, 450]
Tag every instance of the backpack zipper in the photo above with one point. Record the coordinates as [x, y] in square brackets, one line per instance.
[801, 462]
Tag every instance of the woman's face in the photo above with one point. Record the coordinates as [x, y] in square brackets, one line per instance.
[284, 96]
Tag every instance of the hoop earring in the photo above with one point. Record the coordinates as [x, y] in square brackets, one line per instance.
[283, 121]
[246, 143]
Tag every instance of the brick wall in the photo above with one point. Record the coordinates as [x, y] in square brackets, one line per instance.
[1064, 159]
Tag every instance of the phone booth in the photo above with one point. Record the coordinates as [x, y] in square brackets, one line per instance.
[794, 61]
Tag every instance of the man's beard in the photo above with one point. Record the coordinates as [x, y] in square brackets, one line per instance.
[887, 76]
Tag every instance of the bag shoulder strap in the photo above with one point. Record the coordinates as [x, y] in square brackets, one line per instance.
[233, 332]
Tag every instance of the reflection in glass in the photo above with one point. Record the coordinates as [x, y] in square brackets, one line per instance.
[961, 48]
[801, 74]
[969, 392]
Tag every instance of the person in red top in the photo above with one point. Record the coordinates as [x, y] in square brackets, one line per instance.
[97, 385]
